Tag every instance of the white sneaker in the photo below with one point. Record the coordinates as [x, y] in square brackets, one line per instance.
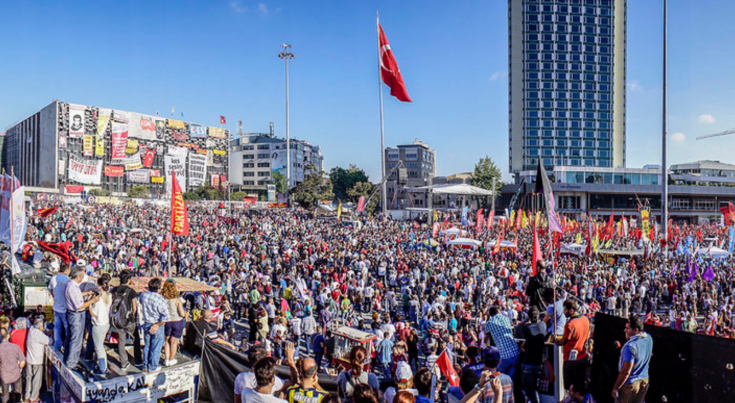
[173, 362]
[166, 363]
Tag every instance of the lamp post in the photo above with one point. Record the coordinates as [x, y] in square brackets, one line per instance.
[287, 55]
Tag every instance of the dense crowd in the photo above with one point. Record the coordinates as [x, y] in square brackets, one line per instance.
[291, 277]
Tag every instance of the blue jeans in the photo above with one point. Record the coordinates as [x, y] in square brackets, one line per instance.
[74, 338]
[153, 346]
[530, 375]
[508, 366]
[60, 325]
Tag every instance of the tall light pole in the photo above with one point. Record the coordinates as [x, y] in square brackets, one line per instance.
[287, 55]
[664, 167]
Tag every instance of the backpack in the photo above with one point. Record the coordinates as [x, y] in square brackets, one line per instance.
[121, 316]
[352, 382]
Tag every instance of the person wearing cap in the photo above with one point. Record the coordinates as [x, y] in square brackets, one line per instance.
[75, 310]
[404, 381]
[35, 349]
[491, 357]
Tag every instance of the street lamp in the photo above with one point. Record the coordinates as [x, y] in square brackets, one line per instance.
[287, 55]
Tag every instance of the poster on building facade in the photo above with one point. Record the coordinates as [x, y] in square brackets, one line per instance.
[88, 145]
[278, 161]
[62, 139]
[114, 171]
[176, 150]
[133, 162]
[175, 163]
[210, 158]
[76, 121]
[142, 127]
[87, 172]
[217, 132]
[119, 140]
[197, 132]
[149, 154]
[215, 181]
[139, 176]
[197, 170]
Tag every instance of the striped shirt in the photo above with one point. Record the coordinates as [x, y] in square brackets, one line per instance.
[298, 394]
[488, 396]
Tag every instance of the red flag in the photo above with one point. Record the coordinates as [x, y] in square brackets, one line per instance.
[361, 204]
[148, 156]
[45, 212]
[222, 120]
[179, 218]
[490, 219]
[478, 220]
[519, 219]
[536, 251]
[445, 365]
[389, 68]
[496, 249]
[59, 249]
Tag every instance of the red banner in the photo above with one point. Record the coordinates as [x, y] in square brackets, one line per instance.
[74, 189]
[278, 205]
[119, 142]
[148, 157]
[179, 218]
[115, 171]
[361, 204]
[250, 200]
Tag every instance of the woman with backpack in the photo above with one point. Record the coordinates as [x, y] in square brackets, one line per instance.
[100, 313]
[347, 380]
[175, 326]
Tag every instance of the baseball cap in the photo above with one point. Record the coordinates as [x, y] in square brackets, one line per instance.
[403, 372]
[491, 357]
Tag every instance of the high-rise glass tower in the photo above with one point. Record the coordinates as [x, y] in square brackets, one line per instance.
[566, 83]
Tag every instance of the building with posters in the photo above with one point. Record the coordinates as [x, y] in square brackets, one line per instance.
[256, 156]
[566, 83]
[74, 147]
[419, 169]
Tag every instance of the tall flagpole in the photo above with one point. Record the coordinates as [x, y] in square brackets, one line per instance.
[383, 190]
[664, 168]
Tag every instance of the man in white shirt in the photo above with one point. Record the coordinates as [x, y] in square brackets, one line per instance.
[35, 345]
[265, 375]
[246, 380]
[308, 328]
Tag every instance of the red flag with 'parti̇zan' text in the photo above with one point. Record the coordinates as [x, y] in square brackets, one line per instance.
[179, 218]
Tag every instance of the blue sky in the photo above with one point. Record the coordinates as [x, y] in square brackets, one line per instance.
[219, 57]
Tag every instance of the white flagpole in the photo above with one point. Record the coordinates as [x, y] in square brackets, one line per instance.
[383, 190]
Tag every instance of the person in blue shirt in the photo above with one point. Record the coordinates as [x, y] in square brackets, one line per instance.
[385, 353]
[632, 383]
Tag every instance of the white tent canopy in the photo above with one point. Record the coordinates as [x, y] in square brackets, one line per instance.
[572, 248]
[503, 244]
[713, 252]
[452, 231]
[455, 189]
[465, 242]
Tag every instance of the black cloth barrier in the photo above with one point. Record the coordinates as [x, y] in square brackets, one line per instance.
[685, 367]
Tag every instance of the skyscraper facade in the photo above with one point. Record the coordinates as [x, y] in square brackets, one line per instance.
[566, 83]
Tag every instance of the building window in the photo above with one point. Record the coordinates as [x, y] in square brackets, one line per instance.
[264, 147]
[264, 173]
[248, 174]
[261, 156]
[264, 165]
[248, 157]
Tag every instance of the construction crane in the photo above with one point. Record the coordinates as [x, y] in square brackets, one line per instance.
[385, 178]
[725, 133]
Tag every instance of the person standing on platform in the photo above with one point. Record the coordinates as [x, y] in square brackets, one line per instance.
[632, 383]
[75, 308]
[154, 313]
[35, 354]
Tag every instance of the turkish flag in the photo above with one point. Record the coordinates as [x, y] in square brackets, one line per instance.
[45, 212]
[536, 251]
[59, 249]
[148, 156]
[222, 120]
[445, 365]
[389, 72]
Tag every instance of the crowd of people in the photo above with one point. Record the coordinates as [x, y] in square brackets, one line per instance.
[289, 278]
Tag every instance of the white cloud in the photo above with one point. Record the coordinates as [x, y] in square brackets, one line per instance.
[678, 137]
[498, 75]
[263, 8]
[237, 7]
[706, 119]
[634, 85]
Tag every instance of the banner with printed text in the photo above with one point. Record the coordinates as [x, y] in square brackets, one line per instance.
[119, 140]
[197, 170]
[156, 179]
[87, 172]
[197, 132]
[103, 120]
[114, 171]
[139, 176]
[176, 124]
[88, 145]
[215, 181]
[217, 132]
[76, 121]
[133, 162]
[175, 163]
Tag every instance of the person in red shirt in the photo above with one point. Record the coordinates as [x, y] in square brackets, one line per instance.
[19, 334]
[574, 340]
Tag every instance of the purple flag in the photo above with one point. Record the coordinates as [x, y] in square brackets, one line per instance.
[544, 186]
[708, 274]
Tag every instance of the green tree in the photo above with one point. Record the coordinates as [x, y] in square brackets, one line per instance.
[316, 186]
[190, 196]
[208, 193]
[138, 192]
[344, 179]
[279, 180]
[363, 189]
[99, 192]
[238, 196]
[485, 171]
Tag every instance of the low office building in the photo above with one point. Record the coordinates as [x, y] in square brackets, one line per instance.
[73, 148]
[419, 168]
[256, 157]
[696, 190]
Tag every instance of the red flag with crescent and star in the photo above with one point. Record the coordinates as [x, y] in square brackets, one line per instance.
[445, 365]
[389, 72]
